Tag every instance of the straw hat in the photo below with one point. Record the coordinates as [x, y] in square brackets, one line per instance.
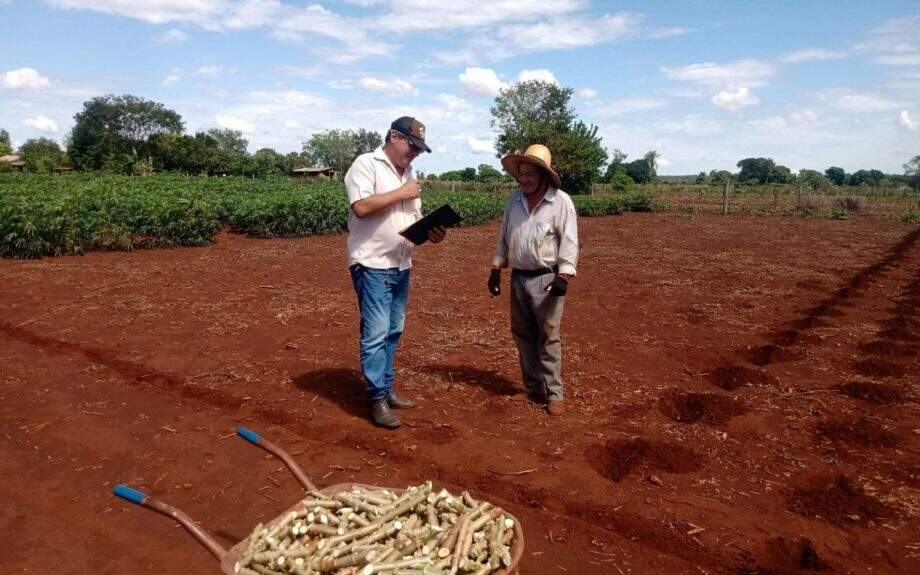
[536, 154]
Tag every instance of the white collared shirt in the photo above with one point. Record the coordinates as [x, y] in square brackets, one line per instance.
[540, 239]
[374, 241]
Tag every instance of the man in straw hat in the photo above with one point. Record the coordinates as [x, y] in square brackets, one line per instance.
[385, 198]
[538, 240]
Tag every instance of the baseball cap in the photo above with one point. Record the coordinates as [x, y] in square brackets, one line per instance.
[411, 129]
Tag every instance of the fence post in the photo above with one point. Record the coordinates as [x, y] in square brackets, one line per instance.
[725, 192]
[798, 199]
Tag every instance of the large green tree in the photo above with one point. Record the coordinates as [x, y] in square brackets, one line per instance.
[866, 178]
[536, 112]
[339, 148]
[763, 171]
[42, 155]
[487, 173]
[616, 164]
[814, 179]
[232, 155]
[527, 109]
[640, 171]
[112, 132]
[837, 176]
[268, 163]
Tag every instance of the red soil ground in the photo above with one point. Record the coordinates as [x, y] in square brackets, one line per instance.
[742, 397]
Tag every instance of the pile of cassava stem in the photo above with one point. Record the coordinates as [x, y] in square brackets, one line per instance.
[363, 531]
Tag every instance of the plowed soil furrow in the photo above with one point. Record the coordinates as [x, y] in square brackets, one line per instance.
[716, 412]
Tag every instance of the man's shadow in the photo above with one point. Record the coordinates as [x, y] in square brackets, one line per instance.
[488, 380]
[342, 386]
[345, 387]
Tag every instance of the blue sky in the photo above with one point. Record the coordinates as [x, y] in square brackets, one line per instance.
[706, 83]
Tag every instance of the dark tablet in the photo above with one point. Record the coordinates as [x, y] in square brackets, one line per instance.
[444, 216]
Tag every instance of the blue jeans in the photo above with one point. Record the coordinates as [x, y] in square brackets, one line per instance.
[382, 296]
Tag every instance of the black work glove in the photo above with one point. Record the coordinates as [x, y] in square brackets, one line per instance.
[495, 282]
[558, 287]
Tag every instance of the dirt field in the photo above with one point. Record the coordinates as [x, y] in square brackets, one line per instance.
[742, 397]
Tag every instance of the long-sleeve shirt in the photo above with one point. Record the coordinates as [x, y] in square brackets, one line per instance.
[540, 239]
[374, 241]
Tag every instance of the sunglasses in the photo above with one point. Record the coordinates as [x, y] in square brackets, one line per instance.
[412, 145]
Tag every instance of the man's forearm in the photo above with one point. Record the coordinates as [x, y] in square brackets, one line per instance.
[373, 205]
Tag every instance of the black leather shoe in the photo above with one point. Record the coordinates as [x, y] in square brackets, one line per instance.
[381, 414]
[399, 402]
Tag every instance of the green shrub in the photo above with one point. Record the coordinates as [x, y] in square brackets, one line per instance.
[53, 215]
[839, 213]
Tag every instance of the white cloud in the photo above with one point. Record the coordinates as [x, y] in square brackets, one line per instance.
[301, 25]
[803, 117]
[907, 122]
[542, 75]
[481, 81]
[895, 43]
[663, 162]
[210, 71]
[628, 106]
[735, 100]
[285, 21]
[739, 74]
[24, 79]
[394, 86]
[478, 146]
[731, 82]
[565, 33]
[850, 101]
[233, 123]
[440, 15]
[668, 32]
[587, 94]
[812, 55]
[173, 36]
[698, 142]
[202, 12]
[302, 71]
[172, 77]
[292, 124]
[42, 124]
[178, 74]
[795, 119]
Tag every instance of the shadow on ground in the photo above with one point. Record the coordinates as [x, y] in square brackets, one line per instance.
[341, 386]
[488, 380]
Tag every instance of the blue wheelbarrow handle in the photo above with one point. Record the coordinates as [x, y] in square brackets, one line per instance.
[249, 435]
[257, 440]
[133, 495]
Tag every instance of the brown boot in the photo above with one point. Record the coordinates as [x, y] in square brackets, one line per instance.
[381, 414]
[399, 401]
[555, 407]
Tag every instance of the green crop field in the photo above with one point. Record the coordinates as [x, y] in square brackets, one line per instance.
[47, 215]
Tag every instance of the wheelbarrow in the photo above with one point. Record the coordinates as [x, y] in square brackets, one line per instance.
[229, 558]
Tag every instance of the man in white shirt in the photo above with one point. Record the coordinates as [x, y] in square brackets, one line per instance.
[539, 241]
[384, 198]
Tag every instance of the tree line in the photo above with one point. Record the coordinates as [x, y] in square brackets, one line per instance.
[131, 135]
[541, 112]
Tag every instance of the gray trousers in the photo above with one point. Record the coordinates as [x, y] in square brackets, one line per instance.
[535, 319]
